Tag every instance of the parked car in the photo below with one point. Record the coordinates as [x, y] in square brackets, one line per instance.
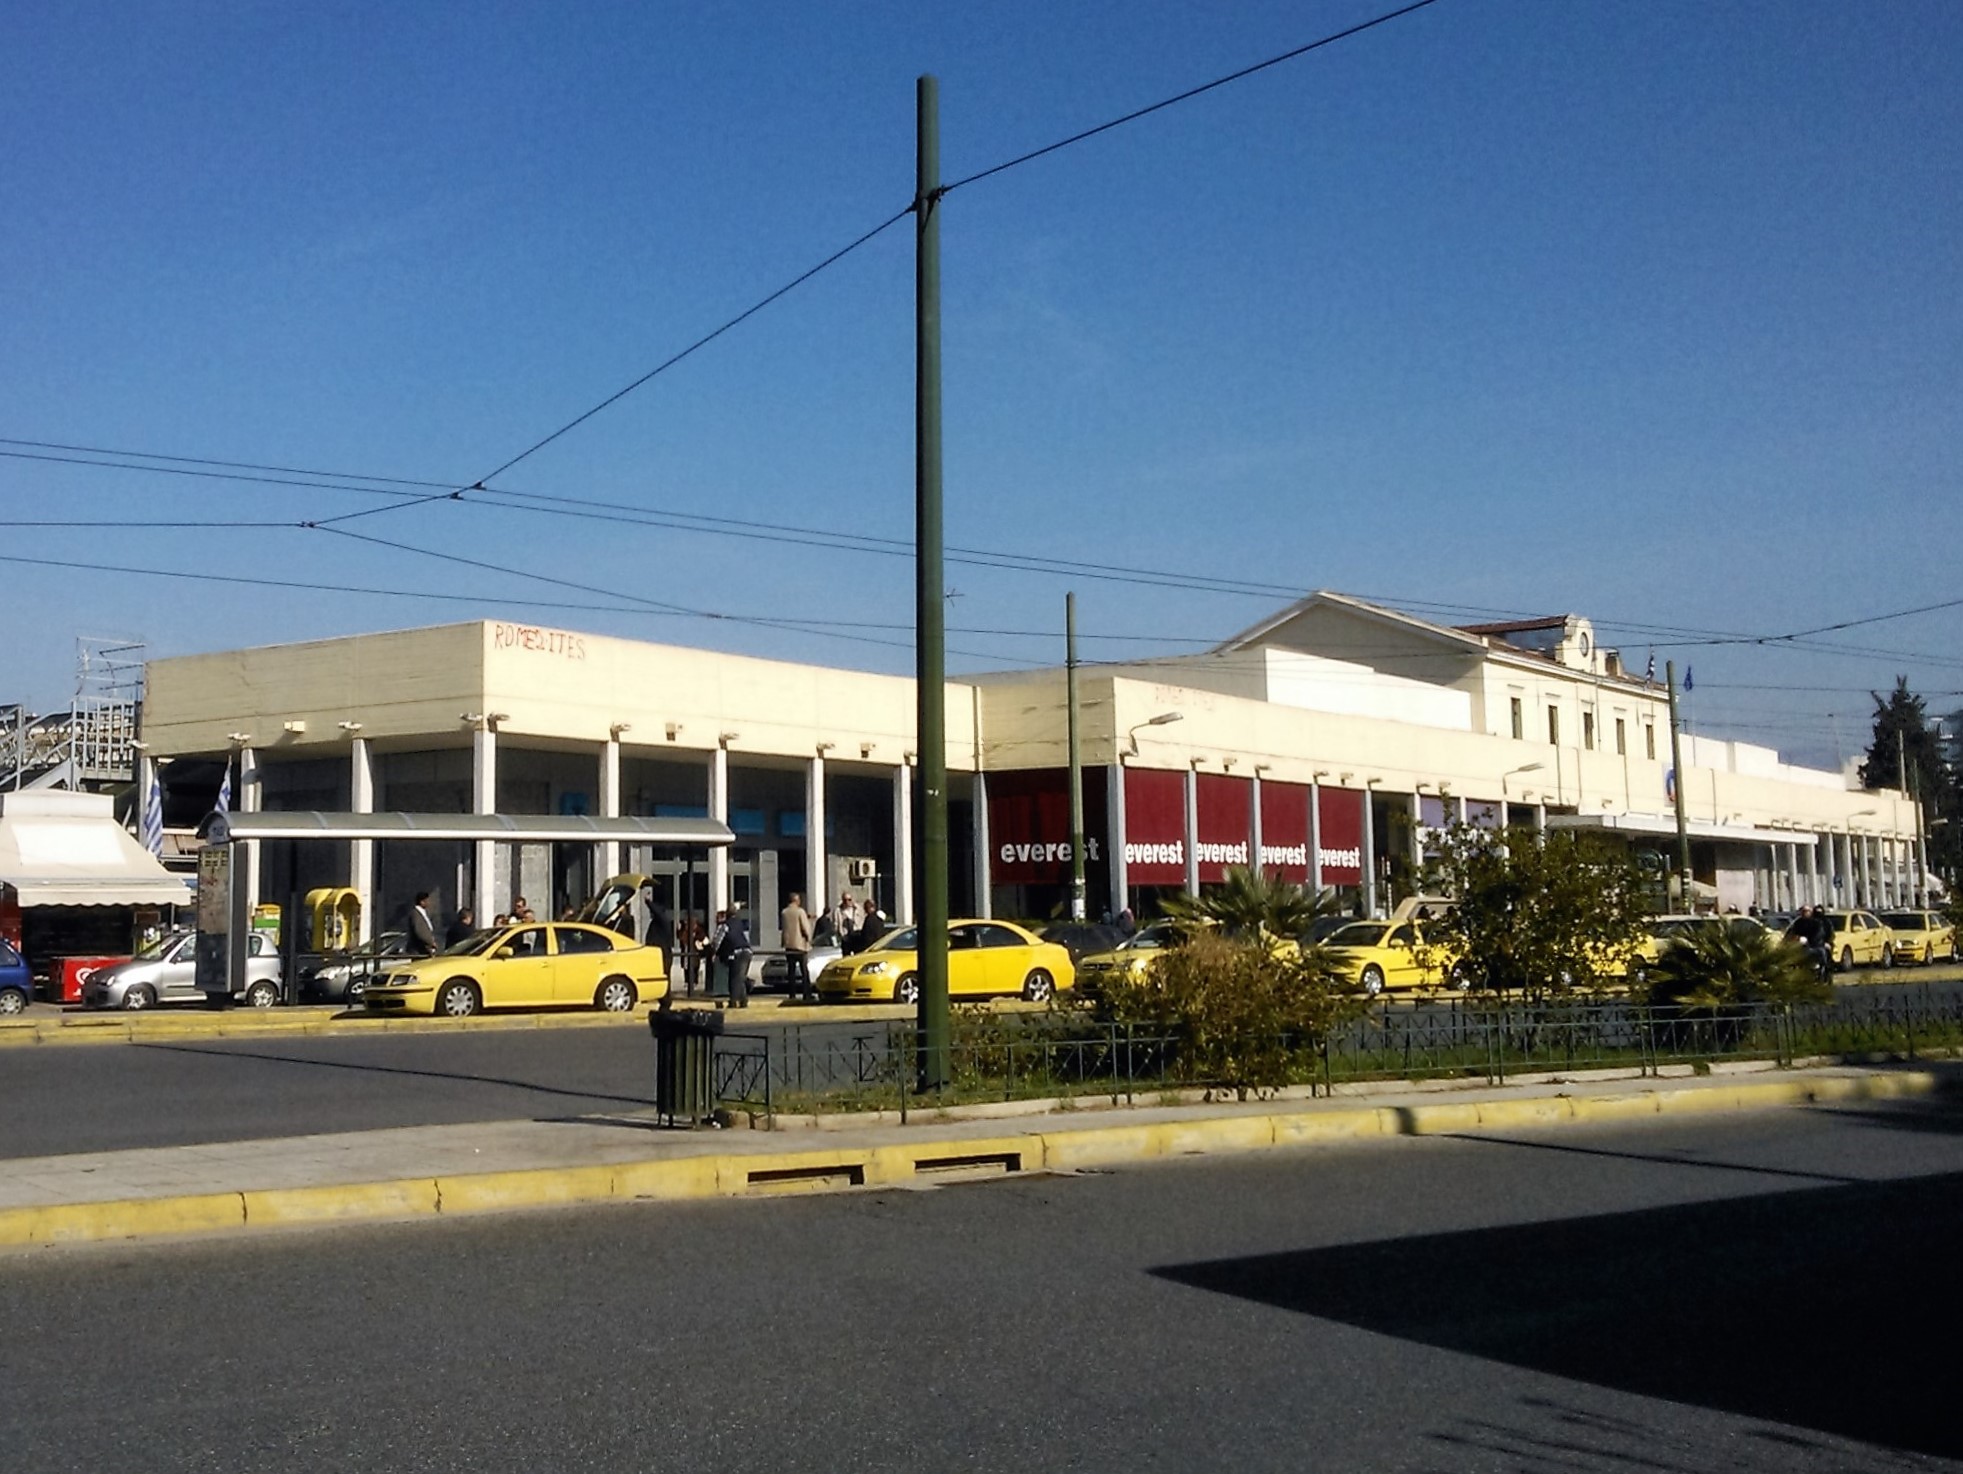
[1129, 958]
[1859, 940]
[166, 971]
[1920, 936]
[1082, 939]
[984, 958]
[1378, 956]
[340, 977]
[773, 975]
[16, 980]
[565, 964]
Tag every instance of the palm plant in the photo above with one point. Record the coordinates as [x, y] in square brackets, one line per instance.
[1249, 901]
[1729, 966]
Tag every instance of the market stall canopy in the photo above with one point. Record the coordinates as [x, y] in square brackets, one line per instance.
[508, 828]
[66, 849]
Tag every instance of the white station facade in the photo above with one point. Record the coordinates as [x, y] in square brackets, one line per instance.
[1329, 742]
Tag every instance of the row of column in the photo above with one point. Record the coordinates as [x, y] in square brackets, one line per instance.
[1857, 870]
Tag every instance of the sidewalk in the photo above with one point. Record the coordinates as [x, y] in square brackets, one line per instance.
[415, 1172]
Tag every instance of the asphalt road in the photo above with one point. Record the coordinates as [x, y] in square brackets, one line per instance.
[1770, 1294]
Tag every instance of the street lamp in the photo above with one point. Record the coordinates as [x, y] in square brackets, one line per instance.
[1164, 718]
[1510, 772]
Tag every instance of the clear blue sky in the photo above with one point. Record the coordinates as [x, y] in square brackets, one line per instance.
[1645, 310]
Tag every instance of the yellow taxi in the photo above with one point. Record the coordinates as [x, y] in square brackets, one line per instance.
[532, 965]
[984, 959]
[1129, 958]
[1380, 955]
[1860, 940]
[1920, 936]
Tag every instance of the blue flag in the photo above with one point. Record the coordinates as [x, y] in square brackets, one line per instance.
[224, 805]
[153, 819]
[1687, 680]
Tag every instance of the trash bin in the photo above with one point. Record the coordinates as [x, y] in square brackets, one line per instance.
[684, 1064]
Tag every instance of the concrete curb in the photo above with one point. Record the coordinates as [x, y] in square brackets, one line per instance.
[898, 1164]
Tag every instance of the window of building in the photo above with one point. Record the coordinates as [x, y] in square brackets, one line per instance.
[1588, 730]
[1621, 738]
[1649, 740]
[1519, 720]
[1554, 725]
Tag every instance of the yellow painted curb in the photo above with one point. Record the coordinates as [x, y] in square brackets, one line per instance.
[819, 1167]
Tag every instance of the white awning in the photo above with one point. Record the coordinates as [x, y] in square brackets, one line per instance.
[71, 852]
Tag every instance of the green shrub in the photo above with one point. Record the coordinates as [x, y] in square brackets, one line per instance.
[1731, 966]
[1248, 1016]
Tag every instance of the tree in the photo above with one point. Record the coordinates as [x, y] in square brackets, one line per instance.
[1248, 900]
[1731, 965]
[1540, 914]
[1907, 752]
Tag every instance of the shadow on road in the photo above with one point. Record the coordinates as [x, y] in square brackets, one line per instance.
[1829, 1308]
[506, 1082]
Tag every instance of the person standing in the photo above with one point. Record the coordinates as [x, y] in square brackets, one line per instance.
[872, 923]
[461, 926]
[734, 952]
[845, 922]
[521, 909]
[422, 927]
[795, 922]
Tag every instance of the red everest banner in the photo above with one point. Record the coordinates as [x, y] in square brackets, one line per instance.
[1285, 831]
[1029, 825]
[1224, 823]
[1342, 836]
[1155, 827]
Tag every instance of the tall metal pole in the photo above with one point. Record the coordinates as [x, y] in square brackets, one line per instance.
[930, 620]
[1077, 908]
[1677, 769]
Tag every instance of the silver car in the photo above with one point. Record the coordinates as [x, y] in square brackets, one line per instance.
[166, 971]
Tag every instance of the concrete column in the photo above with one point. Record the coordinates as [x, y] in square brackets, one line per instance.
[718, 810]
[251, 798]
[903, 844]
[361, 852]
[1790, 902]
[1254, 824]
[1417, 837]
[606, 854]
[1114, 808]
[815, 886]
[1192, 830]
[1815, 884]
[1369, 855]
[1540, 818]
[1863, 865]
[984, 899]
[1315, 837]
[1458, 810]
[484, 800]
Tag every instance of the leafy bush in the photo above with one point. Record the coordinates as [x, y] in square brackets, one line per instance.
[1247, 1013]
[1729, 966]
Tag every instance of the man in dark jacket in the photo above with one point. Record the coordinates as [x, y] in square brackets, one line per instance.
[461, 926]
[1813, 932]
[734, 953]
[872, 924]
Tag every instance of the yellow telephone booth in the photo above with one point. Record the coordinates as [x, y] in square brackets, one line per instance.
[333, 919]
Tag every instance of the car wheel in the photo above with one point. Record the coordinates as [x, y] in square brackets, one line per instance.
[262, 994]
[458, 998]
[1373, 980]
[141, 996]
[1038, 986]
[907, 989]
[1846, 959]
[617, 995]
[12, 1000]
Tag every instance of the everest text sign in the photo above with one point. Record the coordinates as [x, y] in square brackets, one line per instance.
[1029, 826]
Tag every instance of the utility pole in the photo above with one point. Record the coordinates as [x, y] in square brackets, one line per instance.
[1076, 759]
[930, 610]
[1677, 771]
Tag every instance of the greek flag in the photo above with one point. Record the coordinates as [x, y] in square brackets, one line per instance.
[1650, 674]
[224, 804]
[153, 819]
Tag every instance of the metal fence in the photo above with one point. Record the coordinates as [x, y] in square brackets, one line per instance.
[875, 1067]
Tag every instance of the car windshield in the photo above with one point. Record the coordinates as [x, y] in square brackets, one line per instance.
[473, 945]
[158, 948]
[1158, 934]
[376, 946]
[903, 940]
[1359, 934]
[1903, 920]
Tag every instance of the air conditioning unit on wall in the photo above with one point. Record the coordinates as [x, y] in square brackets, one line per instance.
[862, 870]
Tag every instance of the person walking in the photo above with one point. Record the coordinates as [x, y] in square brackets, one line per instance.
[795, 923]
[461, 926]
[422, 927]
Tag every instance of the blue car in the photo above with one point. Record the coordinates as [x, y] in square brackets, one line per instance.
[16, 982]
